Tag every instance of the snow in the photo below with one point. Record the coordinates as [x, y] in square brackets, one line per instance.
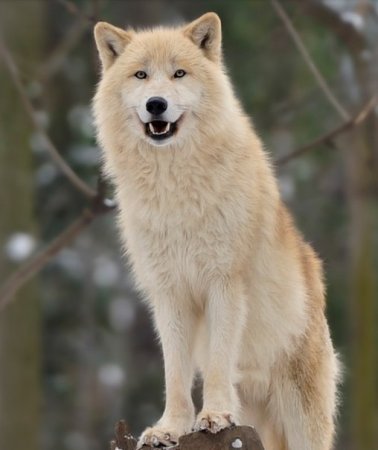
[110, 203]
[86, 155]
[20, 246]
[121, 314]
[106, 271]
[237, 443]
[42, 118]
[38, 143]
[111, 375]
[80, 119]
[354, 19]
[46, 174]
[349, 16]
[287, 186]
[71, 262]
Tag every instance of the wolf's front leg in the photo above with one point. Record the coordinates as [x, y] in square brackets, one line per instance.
[225, 318]
[175, 323]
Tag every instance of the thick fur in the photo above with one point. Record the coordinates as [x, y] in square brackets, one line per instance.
[235, 291]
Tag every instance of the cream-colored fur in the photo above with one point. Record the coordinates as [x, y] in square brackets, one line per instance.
[234, 290]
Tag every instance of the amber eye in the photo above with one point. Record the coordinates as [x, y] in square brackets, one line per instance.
[179, 73]
[141, 75]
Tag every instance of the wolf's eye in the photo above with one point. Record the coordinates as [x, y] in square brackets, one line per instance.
[179, 73]
[141, 75]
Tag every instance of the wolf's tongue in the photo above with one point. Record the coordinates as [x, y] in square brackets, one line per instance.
[159, 127]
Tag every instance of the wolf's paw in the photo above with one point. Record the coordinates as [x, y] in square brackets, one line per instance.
[158, 437]
[213, 421]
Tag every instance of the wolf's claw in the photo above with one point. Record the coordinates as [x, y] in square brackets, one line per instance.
[157, 437]
[213, 421]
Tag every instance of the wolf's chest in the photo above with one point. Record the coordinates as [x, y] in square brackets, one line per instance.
[180, 234]
[170, 255]
[174, 240]
[178, 227]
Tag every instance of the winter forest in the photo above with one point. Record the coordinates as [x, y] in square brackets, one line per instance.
[77, 347]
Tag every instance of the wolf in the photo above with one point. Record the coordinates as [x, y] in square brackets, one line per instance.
[236, 293]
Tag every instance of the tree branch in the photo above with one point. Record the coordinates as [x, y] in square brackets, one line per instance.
[73, 9]
[64, 47]
[75, 180]
[346, 126]
[99, 203]
[329, 17]
[308, 60]
[30, 268]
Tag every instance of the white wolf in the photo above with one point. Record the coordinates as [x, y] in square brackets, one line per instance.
[234, 290]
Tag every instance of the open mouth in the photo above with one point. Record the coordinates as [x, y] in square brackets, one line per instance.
[159, 130]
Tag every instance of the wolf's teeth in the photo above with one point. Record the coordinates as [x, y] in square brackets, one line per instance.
[153, 131]
[167, 127]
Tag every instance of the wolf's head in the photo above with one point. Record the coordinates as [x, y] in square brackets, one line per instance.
[161, 85]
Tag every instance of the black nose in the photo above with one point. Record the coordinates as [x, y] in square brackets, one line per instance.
[156, 105]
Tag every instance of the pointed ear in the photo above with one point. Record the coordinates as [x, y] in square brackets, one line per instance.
[111, 42]
[206, 33]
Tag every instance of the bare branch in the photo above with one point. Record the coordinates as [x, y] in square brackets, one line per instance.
[99, 203]
[329, 17]
[97, 5]
[327, 137]
[308, 60]
[84, 20]
[75, 180]
[73, 9]
[28, 270]
[68, 42]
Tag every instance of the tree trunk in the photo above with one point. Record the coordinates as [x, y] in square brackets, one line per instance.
[362, 175]
[20, 329]
[360, 152]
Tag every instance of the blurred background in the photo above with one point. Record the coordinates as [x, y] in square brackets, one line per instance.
[77, 349]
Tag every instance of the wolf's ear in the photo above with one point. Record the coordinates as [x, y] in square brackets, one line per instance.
[111, 42]
[206, 33]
